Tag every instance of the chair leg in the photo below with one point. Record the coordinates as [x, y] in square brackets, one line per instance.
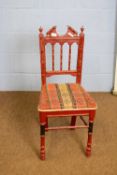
[42, 137]
[73, 120]
[46, 125]
[90, 132]
[42, 141]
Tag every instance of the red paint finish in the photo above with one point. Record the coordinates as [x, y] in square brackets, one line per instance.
[66, 127]
[50, 99]
[61, 56]
[90, 131]
[69, 61]
[53, 57]
[70, 38]
[42, 148]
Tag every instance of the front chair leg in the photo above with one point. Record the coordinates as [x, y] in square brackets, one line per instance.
[42, 137]
[90, 132]
[42, 141]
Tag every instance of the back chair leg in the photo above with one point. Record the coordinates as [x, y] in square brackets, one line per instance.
[73, 120]
[42, 136]
[90, 132]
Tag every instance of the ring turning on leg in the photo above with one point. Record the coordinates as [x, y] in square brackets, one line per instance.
[90, 132]
[42, 135]
[42, 141]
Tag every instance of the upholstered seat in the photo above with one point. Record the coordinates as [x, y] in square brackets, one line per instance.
[65, 96]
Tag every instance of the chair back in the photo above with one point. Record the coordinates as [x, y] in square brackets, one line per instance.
[52, 37]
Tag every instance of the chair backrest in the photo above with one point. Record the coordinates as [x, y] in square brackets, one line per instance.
[52, 37]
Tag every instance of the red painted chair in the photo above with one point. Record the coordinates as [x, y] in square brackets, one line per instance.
[67, 99]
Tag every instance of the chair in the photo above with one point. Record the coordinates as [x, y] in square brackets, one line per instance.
[64, 99]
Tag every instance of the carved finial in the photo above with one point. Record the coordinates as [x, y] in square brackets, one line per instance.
[52, 32]
[71, 29]
[40, 29]
[82, 29]
[71, 32]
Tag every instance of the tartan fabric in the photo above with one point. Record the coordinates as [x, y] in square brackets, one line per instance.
[65, 96]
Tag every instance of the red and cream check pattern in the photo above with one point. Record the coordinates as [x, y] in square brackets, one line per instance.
[65, 97]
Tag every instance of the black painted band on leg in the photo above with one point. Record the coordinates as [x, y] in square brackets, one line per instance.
[42, 129]
[90, 127]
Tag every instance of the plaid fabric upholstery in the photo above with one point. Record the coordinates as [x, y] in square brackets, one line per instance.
[65, 96]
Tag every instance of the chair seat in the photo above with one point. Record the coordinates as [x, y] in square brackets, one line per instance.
[57, 97]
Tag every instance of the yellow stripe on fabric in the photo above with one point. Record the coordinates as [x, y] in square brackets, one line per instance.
[65, 96]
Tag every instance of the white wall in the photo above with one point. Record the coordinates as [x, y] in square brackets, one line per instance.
[19, 55]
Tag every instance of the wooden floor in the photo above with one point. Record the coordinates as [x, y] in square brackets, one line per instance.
[19, 139]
